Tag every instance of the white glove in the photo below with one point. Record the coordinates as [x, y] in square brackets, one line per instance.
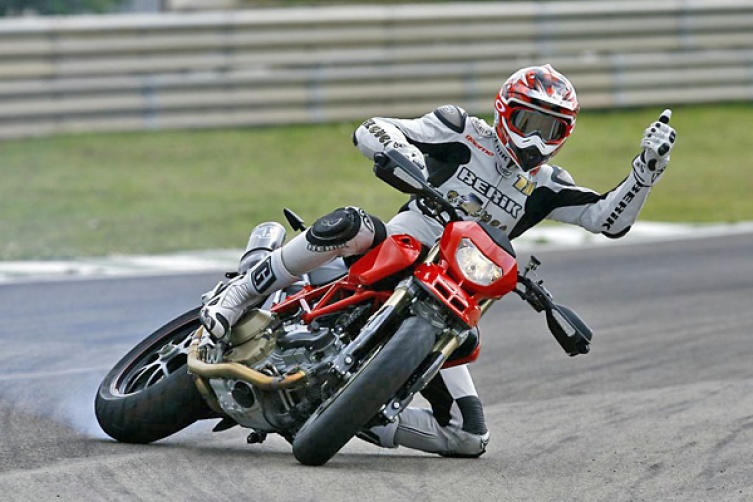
[412, 152]
[658, 140]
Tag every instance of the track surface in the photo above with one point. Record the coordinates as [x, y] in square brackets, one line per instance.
[662, 408]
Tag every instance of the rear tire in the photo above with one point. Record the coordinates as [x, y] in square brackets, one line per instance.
[149, 394]
[337, 421]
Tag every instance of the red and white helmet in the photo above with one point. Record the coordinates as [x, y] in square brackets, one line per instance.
[534, 114]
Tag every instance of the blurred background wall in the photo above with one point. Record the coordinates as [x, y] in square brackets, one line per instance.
[171, 64]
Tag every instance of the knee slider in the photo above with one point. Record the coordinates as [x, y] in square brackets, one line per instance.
[467, 445]
[382, 435]
[338, 228]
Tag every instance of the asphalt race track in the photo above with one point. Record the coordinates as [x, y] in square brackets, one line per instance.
[661, 410]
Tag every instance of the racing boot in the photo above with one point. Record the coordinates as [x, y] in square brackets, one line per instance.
[249, 290]
[344, 232]
[453, 427]
[418, 429]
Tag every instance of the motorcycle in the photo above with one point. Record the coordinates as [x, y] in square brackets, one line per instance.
[340, 351]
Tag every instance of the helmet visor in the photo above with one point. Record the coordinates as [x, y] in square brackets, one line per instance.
[528, 122]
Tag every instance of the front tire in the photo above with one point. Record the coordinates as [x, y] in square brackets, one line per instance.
[336, 422]
[149, 394]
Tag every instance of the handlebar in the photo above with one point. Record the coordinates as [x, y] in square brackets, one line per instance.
[572, 333]
[401, 173]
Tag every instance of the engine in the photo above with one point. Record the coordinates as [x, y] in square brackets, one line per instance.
[275, 348]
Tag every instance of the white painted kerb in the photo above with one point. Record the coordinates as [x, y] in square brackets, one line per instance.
[545, 237]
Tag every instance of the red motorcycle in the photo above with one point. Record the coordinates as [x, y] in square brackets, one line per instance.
[340, 351]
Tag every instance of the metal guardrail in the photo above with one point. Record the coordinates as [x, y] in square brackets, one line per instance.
[256, 67]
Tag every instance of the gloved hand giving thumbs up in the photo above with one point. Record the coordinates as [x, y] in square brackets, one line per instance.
[658, 140]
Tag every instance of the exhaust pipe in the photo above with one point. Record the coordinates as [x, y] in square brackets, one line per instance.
[264, 239]
[237, 371]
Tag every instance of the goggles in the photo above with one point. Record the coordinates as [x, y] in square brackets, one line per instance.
[527, 122]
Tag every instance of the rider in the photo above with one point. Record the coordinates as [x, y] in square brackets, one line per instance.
[499, 175]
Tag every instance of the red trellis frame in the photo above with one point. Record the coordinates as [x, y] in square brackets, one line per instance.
[330, 298]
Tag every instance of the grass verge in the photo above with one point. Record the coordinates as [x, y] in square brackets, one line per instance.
[163, 191]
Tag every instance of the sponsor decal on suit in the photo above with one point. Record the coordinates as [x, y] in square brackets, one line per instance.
[524, 185]
[379, 133]
[479, 146]
[617, 211]
[490, 192]
[263, 276]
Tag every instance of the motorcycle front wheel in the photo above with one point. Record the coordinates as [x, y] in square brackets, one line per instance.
[149, 394]
[339, 419]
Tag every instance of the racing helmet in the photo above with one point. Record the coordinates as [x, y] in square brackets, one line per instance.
[534, 113]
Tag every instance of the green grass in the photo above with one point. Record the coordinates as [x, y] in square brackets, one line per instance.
[154, 192]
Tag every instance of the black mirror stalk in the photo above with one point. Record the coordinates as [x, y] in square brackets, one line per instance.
[567, 327]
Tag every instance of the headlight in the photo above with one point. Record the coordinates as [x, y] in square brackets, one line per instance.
[476, 267]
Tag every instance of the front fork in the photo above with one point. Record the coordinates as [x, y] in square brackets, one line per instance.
[387, 316]
[449, 341]
[408, 294]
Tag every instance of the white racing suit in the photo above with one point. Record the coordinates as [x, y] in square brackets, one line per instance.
[463, 162]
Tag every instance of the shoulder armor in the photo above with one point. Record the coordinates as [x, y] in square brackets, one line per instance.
[452, 116]
[562, 177]
[482, 128]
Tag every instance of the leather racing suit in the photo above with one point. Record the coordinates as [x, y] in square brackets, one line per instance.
[464, 162]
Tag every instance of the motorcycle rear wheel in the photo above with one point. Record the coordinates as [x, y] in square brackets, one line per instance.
[149, 394]
[339, 419]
